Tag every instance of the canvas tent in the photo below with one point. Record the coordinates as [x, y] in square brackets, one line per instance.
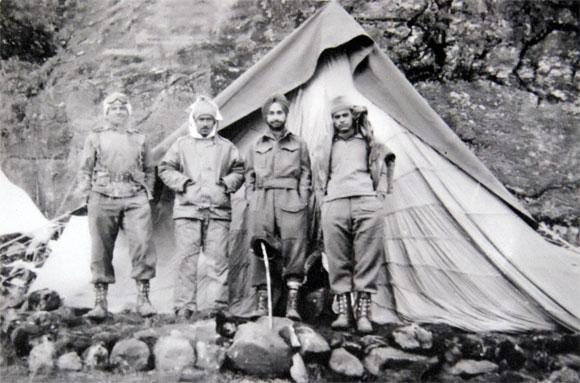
[459, 248]
[18, 213]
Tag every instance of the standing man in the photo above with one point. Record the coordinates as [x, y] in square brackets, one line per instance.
[278, 186]
[117, 178]
[203, 169]
[351, 222]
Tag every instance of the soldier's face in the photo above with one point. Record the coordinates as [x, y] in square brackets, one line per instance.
[276, 117]
[205, 124]
[343, 121]
[117, 114]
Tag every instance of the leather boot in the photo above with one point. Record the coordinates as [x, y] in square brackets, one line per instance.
[363, 323]
[261, 303]
[100, 310]
[344, 319]
[144, 306]
[292, 304]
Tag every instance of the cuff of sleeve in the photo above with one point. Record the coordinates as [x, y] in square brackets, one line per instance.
[185, 183]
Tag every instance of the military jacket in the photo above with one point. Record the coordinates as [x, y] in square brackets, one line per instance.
[116, 163]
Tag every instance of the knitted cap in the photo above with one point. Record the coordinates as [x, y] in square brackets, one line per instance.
[204, 106]
[340, 103]
[116, 98]
[276, 98]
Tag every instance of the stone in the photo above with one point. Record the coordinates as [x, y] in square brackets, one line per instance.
[46, 321]
[43, 300]
[71, 361]
[189, 374]
[257, 350]
[96, 357]
[311, 342]
[130, 355]
[565, 375]
[277, 322]
[569, 360]
[209, 356]
[21, 337]
[468, 368]
[41, 358]
[370, 342]
[204, 331]
[173, 352]
[298, 371]
[107, 337]
[388, 357]
[511, 353]
[289, 335]
[413, 337]
[344, 363]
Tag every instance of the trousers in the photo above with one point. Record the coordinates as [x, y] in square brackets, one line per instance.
[107, 216]
[352, 228]
[193, 236]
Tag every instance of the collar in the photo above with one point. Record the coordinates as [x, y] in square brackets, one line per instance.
[268, 134]
[356, 135]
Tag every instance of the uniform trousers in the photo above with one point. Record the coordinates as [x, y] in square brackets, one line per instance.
[108, 215]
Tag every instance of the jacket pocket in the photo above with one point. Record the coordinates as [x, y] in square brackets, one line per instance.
[101, 179]
[261, 156]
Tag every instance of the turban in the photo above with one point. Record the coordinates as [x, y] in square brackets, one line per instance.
[277, 98]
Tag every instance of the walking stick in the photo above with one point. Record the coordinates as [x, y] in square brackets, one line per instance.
[268, 283]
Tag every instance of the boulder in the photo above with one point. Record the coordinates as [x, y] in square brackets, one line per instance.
[71, 361]
[344, 363]
[467, 368]
[257, 350]
[511, 354]
[43, 300]
[130, 355]
[96, 357]
[381, 358]
[565, 375]
[370, 342]
[413, 337]
[21, 336]
[173, 352]
[569, 360]
[298, 371]
[289, 335]
[311, 342]
[277, 323]
[41, 358]
[209, 356]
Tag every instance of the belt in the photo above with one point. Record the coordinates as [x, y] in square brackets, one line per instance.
[277, 183]
[120, 177]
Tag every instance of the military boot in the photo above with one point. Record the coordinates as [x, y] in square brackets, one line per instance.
[363, 323]
[292, 304]
[344, 319]
[144, 306]
[100, 310]
[261, 303]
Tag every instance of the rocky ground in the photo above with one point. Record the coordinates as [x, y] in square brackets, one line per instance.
[52, 343]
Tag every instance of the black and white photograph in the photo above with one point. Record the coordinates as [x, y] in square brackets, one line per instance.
[277, 191]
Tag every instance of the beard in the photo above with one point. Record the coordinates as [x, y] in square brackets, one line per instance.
[276, 125]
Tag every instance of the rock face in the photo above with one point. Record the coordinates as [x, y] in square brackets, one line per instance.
[130, 355]
[173, 352]
[344, 363]
[257, 350]
[71, 361]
